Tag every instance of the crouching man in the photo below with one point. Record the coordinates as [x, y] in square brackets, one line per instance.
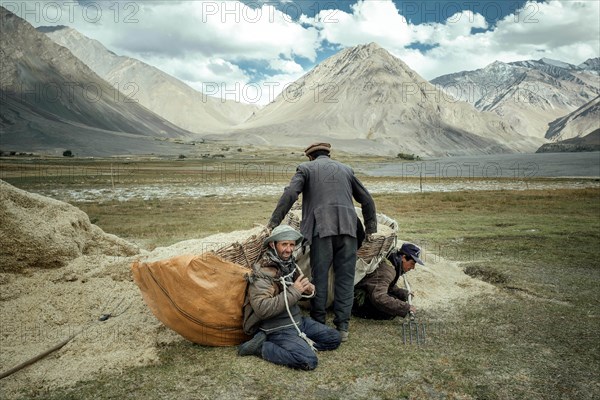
[276, 285]
[376, 296]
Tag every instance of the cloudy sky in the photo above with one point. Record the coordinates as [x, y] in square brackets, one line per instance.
[232, 45]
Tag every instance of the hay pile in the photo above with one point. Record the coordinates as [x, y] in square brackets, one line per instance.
[40, 232]
[60, 274]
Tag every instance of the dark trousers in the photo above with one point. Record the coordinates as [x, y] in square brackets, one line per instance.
[285, 347]
[339, 251]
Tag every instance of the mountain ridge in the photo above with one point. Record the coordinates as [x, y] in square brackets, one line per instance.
[579, 123]
[52, 101]
[161, 93]
[529, 94]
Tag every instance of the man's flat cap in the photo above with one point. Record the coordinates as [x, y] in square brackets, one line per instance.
[317, 146]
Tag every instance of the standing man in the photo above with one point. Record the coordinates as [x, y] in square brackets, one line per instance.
[330, 226]
[284, 336]
[377, 296]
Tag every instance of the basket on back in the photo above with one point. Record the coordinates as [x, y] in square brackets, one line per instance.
[246, 253]
[368, 256]
[382, 241]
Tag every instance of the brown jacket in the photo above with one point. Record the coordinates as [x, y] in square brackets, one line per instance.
[264, 307]
[382, 292]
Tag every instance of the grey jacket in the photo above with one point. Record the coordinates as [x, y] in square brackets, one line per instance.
[327, 188]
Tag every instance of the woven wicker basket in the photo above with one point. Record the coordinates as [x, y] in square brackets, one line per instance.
[246, 253]
[383, 240]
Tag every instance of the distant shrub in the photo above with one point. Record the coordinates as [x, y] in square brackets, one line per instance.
[68, 153]
[181, 156]
[405, 156]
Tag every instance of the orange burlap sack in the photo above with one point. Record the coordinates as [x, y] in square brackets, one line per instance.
[200, 297]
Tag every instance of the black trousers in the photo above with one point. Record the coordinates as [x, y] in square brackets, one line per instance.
[340, 252]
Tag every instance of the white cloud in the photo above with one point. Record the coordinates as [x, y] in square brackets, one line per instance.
[370, 21]
[197, 41]
[207, 41]
[286, 66]
[196, 70]
[568, 31]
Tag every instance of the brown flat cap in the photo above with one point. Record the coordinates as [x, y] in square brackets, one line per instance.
[317, 146]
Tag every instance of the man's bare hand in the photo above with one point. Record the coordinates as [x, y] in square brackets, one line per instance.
[303, 284]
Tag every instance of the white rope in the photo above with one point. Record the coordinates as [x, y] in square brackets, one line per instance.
[285, 283]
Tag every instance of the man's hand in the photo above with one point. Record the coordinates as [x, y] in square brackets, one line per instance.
[303, 285]
[369, 237]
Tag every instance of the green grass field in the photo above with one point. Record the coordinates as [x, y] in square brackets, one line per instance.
[537, 339]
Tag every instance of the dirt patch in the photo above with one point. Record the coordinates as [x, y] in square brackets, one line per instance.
[486, 274]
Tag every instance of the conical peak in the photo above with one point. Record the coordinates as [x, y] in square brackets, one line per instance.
[363, 51]
[368, 61]
[370, 53]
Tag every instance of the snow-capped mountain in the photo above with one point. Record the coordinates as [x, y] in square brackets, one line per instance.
[526, 94]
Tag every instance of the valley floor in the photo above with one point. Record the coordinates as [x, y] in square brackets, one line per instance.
[533, 334]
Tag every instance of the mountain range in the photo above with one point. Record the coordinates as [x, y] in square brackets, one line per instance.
[363, 97]
[177, 102]
[61, 90]
[51, 101]
[527, 94]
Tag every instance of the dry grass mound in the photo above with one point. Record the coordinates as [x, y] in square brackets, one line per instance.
[41, 232]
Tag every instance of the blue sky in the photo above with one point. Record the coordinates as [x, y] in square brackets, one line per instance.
[234, 44]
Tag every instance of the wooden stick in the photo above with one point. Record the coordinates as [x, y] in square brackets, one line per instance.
[36, 358]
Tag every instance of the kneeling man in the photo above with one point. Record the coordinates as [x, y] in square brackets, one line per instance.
[376, 296]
